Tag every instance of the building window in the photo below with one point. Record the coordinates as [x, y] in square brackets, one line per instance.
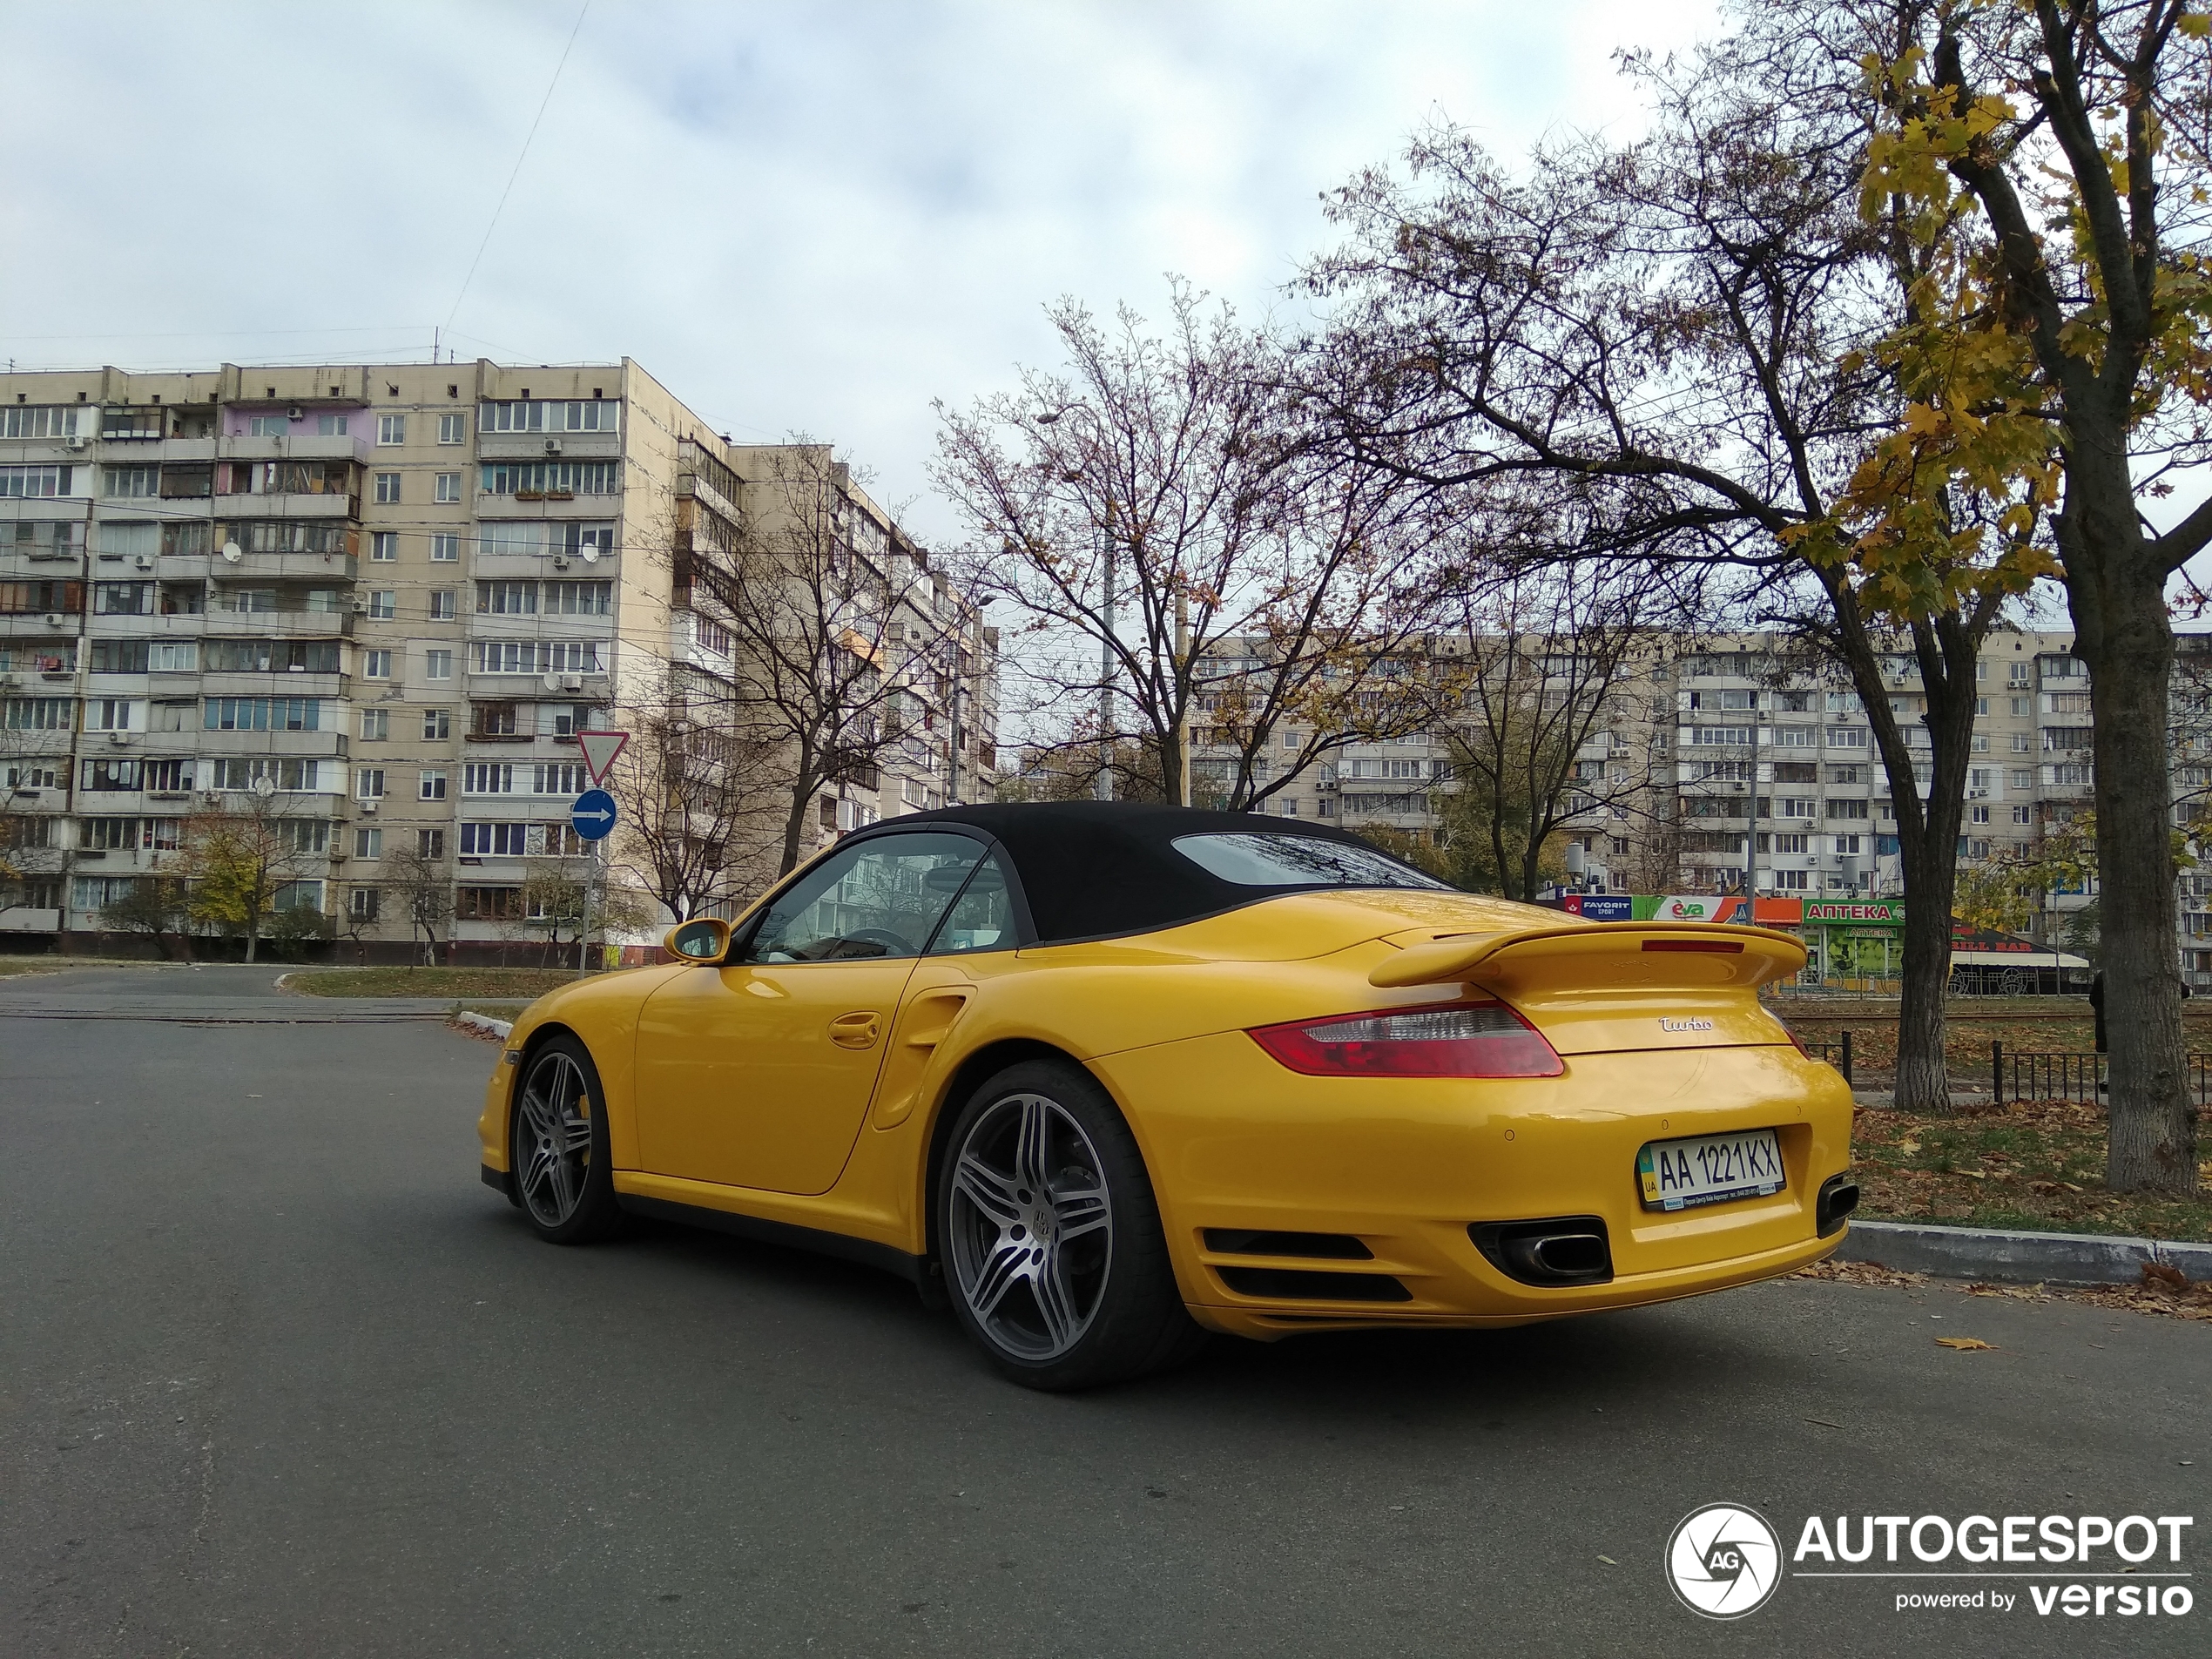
[384, 604]
[542, 415]
[595, 598]
[445, 549]
[361, 906]
[442, 604]
[1789, 881]
[384, 547]
[430, 843]
[431, 785]
[2023, 778]
[34, 481]
[263, 714]
[369, 783]
[39, 420]
[506, 598]
[391, 428]
[387, 488]
[488, 904]
[488, 778]
[376, 725]
[453, 428]
[129, 482]
[437, 665]
[448, 486]
[552, 477]
[330, 426]
[559, 777]
[437, 726]
[494, 720]
[1977, 814]
[1980, 744]
[376, 664]
[2019, 815]
[2022, 744]
[369, 843]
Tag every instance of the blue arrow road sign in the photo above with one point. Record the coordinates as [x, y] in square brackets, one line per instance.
[593, 814]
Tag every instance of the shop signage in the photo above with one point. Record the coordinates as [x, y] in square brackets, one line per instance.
[1878, 912]
[1699, 906]
[1601, 907]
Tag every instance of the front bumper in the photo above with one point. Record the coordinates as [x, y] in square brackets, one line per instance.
[1242, 1150]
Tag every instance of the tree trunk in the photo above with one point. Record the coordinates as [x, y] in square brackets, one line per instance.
[2123, 634]
[802, 797]
[253, 933]
[1931, 876]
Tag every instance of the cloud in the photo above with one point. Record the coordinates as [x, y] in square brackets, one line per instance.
[810, 218]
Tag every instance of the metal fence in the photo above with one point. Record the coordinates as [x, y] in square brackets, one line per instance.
[1836, 1054]
[2072, 1077]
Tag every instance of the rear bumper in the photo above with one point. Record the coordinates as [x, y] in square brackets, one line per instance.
[1401, 1168]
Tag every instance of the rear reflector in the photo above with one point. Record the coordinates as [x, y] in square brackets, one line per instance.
[1468, 1040]
[1718, 947]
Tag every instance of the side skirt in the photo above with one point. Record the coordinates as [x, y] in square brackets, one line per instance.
[885, 1257]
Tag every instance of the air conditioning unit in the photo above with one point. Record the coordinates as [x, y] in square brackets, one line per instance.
[571, 682]
[552, 446]
[295, 413]
[368, 808]
[145, 562]
[118, 736]
[8, 682]
[560, 561]
[54, 619]
[75, 440]
[211, 796]
[360, 607]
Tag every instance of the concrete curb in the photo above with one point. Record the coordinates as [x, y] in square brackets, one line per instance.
[483, 1024]
[2019, 1258]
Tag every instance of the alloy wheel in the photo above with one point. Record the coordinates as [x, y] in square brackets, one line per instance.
[553, 1139]
[1030, 1226]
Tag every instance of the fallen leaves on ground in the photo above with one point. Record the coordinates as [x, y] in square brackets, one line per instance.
[1963, 1343]
[2154, 1295]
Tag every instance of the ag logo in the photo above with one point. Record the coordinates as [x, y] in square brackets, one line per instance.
[1723, 1561]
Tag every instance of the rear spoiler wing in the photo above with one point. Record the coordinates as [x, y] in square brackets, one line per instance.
[1601, 957]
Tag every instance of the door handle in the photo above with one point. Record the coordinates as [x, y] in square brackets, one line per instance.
[858, 1030]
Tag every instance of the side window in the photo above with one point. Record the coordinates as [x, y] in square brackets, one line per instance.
[881, 898]
[983, 919]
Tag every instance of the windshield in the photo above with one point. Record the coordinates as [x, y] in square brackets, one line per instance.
[1264, 859]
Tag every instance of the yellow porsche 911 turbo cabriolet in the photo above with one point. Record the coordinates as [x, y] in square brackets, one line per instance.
[1107, 1076]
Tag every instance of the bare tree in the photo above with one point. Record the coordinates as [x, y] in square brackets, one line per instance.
[1529, 711]
[1176, 553]
[811, 593]
[421, 891]
[688, 788]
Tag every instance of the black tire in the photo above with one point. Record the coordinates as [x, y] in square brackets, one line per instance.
[558, 1159]
[1057, 1297]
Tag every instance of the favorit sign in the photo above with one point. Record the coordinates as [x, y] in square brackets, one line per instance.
[1724, 1561]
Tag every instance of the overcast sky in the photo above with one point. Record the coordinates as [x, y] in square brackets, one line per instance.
[799, 217]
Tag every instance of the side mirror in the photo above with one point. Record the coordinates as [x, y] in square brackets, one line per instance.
[703, 939]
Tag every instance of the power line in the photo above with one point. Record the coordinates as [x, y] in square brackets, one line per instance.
[519, 159]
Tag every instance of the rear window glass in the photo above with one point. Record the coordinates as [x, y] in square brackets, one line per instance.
[1257, 858]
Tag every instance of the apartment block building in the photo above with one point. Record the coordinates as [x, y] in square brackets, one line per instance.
[381, 600]
[1726, 759]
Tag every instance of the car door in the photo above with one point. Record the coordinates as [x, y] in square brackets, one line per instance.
[758, 1073]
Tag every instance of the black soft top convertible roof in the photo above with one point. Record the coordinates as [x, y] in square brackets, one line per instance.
[1091, 868]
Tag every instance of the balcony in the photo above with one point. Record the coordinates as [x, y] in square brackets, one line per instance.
[33, 625]
[335, 567]
[347, 447]
[276, 625]
[324, 743]
[329, 505]
[537, 446]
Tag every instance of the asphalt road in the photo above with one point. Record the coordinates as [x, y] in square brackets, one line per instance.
[279, 1377]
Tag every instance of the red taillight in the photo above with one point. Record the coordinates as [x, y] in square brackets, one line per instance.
[1468, 1040]
[1716, 947]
